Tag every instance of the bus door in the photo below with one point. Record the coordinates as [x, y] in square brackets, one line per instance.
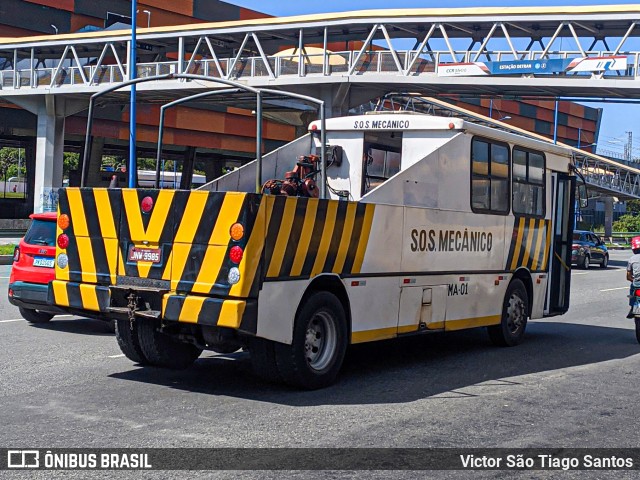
[558, 287]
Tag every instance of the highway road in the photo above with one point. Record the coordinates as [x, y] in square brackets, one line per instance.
[572, 383]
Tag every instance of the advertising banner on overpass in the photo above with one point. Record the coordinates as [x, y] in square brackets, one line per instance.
[521, 67]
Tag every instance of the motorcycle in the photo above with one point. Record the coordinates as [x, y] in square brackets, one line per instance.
[635, 309]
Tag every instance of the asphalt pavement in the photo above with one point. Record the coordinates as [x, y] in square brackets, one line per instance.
[572, 383]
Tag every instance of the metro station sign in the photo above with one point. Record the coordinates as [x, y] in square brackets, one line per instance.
[520, 67]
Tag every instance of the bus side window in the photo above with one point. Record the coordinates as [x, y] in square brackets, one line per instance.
[489, 176]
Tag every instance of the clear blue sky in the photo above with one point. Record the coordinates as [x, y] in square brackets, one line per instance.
[617, 119]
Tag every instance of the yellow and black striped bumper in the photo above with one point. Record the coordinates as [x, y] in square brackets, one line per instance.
[218, 312]
[81, 296]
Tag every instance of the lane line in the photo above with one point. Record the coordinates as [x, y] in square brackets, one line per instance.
[612, 289]
[116, 356]
[13, 320]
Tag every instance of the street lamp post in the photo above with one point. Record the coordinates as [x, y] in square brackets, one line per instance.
[148, 17]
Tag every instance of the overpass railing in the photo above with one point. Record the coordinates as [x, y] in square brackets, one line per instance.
[408, 63]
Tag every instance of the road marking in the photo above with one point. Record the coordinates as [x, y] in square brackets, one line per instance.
[612, 289]
[12, 320]
[579, 273]
[5, 277]
[116, 356]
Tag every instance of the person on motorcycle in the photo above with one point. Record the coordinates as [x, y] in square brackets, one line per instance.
[633, 272]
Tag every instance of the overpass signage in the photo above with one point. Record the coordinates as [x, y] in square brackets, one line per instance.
[519, 67]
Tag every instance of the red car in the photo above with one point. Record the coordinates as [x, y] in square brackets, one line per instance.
[33, 269]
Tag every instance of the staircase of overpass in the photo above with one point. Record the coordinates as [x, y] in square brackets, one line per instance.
[590, 52]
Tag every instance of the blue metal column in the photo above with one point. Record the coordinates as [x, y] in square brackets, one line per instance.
[133, 163]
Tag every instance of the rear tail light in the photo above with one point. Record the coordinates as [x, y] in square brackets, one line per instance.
[234, 276]
[63, 221]
[236, 232]
[235, 254]
[146, 204]
[63, 261]
[16, 254]
[637, 293]
[63, 241]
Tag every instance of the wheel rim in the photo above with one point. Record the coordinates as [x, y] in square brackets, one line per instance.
[516, 314]
[320, 341]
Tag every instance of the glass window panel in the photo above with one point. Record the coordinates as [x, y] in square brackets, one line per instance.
[480, 151]
[480, 167]
[500, 170]
[536, 168]
[499, 154]
[499, 195]
[376, 167]
[538, 200]
[393, 163]
[480, 193]
[519, 165]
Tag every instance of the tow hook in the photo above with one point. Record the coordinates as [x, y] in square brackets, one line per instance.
[133, 307]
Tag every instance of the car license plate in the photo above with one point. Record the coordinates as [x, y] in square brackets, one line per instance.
[43, 262]
[153, 255]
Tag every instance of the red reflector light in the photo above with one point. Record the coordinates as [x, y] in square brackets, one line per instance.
[452, 126]
[637, 293]
[63, 241]
[16, 254]
[235, 254]
[10, 293]
[146, 204]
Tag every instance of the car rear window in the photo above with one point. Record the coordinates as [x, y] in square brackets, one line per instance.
[41, 232]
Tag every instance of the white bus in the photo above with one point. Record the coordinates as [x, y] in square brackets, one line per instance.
[432, 224]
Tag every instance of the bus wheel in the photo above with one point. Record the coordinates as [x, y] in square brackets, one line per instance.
[263, 359]
[515, 311]
[319, 344]
[127, 337]
[161, 350]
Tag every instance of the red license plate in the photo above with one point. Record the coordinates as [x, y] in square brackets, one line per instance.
[153, 255]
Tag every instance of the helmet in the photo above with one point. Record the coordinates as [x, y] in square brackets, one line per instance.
[635, 243]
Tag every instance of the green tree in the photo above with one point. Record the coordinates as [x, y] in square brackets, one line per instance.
[627, 223]
[633, 206]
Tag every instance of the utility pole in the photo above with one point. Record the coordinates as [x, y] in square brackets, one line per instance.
[628, 148]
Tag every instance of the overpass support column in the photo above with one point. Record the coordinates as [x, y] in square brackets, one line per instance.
[608, 216]
[49, 156]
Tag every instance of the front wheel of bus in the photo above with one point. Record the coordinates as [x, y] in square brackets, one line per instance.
[319, 344]
[162, 350]
[515, 311]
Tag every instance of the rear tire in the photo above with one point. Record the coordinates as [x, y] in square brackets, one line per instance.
[586, 261]
[35, 316]
[162, 350]
[128, 341]
[637, 320]
[319, 343]
[605, 261]
[515, 311]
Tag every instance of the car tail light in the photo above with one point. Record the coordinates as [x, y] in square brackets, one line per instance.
[16, 254]
[10, 293]
[63, 241]
[637, 293]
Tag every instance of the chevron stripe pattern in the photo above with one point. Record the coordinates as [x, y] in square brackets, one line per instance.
[285, 238]
[529, 244]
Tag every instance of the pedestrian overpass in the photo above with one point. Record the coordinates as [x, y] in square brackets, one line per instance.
[346, 59]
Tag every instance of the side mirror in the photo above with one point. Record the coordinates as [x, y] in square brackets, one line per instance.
[583, 198]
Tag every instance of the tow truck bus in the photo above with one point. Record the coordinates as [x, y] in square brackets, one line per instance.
[431, 224]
